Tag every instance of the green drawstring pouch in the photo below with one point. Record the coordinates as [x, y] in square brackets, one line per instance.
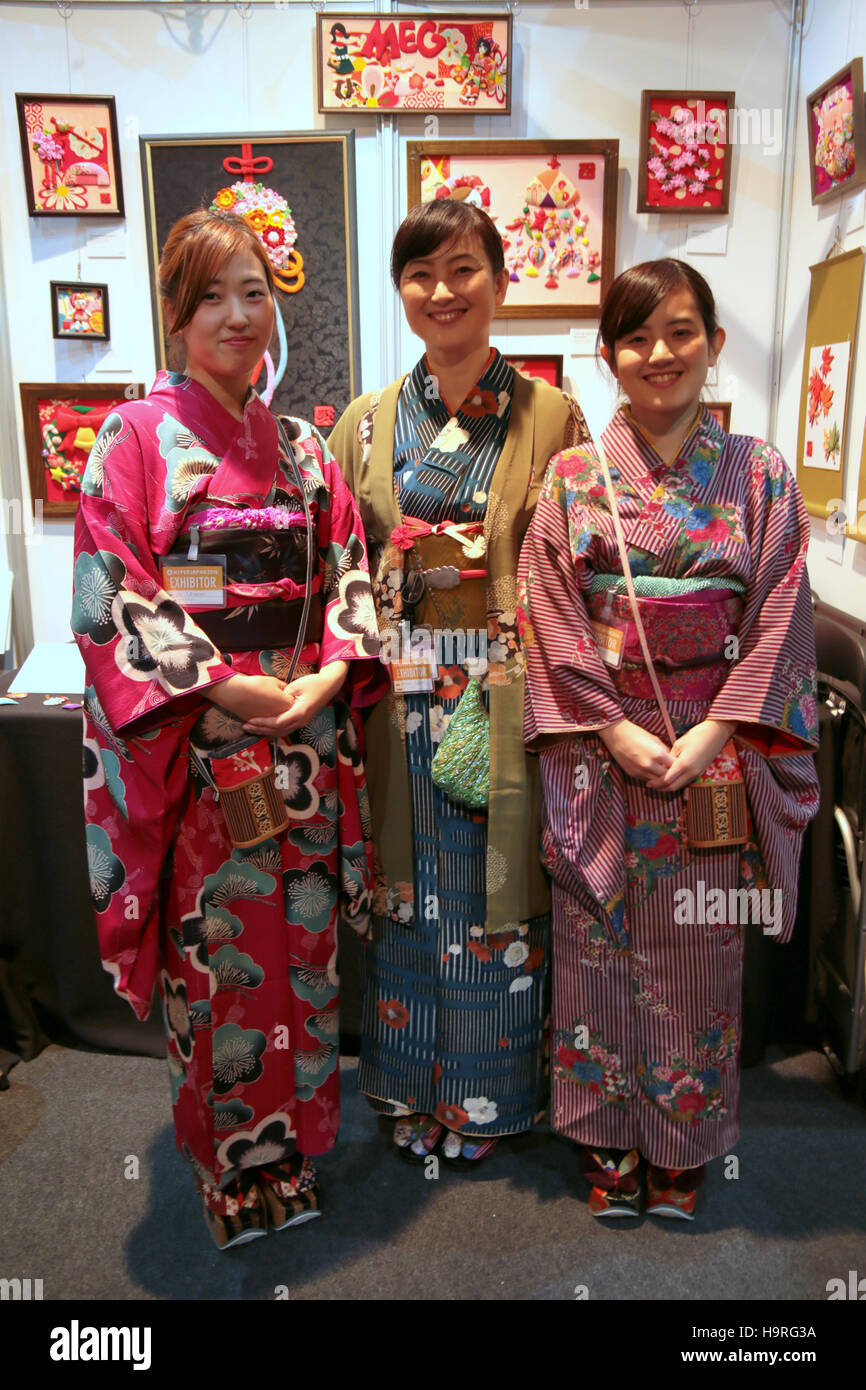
[461, 767]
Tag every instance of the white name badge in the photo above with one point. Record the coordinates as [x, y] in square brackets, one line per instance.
[195, 583]
[415, 673]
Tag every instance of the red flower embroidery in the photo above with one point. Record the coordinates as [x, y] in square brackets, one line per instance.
[483, 953]
[454, 1116]
[533, 960]
[827, 360]
[393, 1013]
[452, 682]
[481, 403]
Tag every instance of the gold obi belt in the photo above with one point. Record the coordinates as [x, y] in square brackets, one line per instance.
[445, 581]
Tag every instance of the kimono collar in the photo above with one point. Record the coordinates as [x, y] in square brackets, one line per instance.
[247, 448]
[698, 455]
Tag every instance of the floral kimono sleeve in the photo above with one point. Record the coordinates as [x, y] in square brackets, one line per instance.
[770, 692]
[142, 651]
[351, 632]
[568, 688]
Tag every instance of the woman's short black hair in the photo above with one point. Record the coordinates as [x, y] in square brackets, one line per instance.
[636, 293]
[430, 225]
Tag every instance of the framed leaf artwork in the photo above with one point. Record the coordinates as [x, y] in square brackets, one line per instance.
[297, 192]
[70, 151]
[684, 162]
[61, 422]
[836, 135]
[554, 204]
[79, 310]
[385, 63]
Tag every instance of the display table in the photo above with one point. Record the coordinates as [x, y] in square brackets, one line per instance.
[52, 984]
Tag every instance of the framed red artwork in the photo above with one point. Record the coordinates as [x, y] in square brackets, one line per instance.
[685, 152]
[547, 366]
[836, 134]
[70, 151]
[79, 310]
[61, 422]
[554, 204]
[722, 412]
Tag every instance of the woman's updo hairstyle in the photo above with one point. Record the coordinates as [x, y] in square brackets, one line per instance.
[195, 251]
[428, 226]
[636, 293]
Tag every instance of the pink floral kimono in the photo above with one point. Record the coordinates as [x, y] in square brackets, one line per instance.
[239, 942]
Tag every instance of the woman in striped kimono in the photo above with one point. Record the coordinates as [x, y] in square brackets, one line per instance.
[446, 465]
[647, 929]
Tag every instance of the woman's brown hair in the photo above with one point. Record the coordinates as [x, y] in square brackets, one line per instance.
[638, 291]
[195, 251]
[443, 220]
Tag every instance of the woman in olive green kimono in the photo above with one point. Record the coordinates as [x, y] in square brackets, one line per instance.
[455, 971]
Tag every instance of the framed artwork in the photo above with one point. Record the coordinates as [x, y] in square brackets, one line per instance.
[554, 203]
[684, 163]
[439, 62]
[297, 192]
[61, 422]
[546, 366]
[721, 410]
[79, 311]
[836, 138]
[70, 151]
[831, 329]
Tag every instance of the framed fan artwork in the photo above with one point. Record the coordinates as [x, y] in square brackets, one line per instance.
[554, 204]
[70, 151]
[684, 162]
[297, 192]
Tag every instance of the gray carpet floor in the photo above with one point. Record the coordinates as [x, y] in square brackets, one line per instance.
[519, 1228]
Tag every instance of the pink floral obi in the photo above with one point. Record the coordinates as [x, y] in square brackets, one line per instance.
[689, 637]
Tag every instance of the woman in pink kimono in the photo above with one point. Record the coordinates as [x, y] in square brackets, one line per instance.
[648, 928]
[191, 580]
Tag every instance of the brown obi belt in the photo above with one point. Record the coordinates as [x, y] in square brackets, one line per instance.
[457, 583]
[689, 637]
[255, 627]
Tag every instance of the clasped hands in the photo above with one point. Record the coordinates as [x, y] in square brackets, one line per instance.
[644, 756]
[268, 706]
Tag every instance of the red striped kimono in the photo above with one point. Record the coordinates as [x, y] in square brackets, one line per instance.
[648, 933]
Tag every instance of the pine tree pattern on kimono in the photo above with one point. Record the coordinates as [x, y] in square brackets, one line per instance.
[646, 1007]
[240, 943]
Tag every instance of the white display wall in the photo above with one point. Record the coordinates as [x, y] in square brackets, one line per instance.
[578, 73]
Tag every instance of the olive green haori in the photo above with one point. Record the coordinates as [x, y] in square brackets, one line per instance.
[543, 421]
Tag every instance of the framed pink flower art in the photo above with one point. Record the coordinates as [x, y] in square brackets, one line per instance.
[685, 152]
[837, 133]
[71, 160]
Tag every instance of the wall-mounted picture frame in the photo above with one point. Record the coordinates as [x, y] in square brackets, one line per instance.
[836, 133]
[385, 63]
[721, 412]
[554, 203]
[61, 422]
[546, 366]
[684, 160]
[79, 311]
[71, 155]
[297, 192]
